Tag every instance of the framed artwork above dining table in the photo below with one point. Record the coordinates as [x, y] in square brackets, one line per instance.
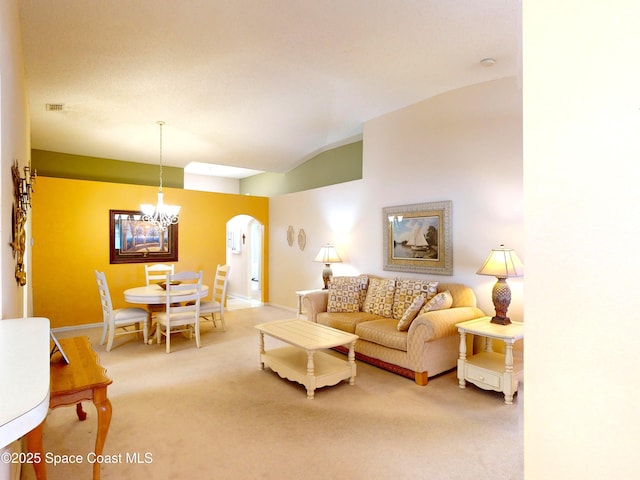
[134, 240]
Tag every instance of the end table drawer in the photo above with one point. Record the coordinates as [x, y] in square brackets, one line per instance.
[479, 376]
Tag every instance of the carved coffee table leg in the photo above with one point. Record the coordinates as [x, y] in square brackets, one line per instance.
[261, 350]
[352, 362]
[103, 406]
[82, 415]
[311, 377]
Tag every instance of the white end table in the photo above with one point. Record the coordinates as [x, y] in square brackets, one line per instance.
[301, 294]
[488, 369]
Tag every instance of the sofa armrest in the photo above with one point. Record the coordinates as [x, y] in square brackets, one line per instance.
[314, 303]
[440, 323]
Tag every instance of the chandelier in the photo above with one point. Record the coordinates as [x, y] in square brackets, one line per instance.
[160, 215]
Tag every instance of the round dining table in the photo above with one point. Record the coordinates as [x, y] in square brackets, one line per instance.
[154, 294]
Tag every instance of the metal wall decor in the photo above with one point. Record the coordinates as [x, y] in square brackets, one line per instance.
[22, 190]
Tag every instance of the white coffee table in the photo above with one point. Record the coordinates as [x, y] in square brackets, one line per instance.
[302, 361]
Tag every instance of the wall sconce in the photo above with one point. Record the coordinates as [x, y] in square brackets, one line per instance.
[22, 190]
[23, 186]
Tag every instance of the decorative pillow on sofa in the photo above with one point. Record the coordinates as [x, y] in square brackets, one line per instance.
[439, 302]
[379, 299]
[364, 284]
[410, 313]
[345, 294]
[406, 291]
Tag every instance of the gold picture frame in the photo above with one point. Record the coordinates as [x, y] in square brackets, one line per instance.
[417, 238]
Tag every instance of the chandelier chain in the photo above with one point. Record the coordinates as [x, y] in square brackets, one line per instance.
[160, 215]
[161, 123]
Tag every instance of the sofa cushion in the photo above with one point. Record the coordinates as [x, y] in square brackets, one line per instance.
[346, 294]
[406, 291]
[379, 299]
[439, 302]
[383, 332]
[344, 321]
[411, 313]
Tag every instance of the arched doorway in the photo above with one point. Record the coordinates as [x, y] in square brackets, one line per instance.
[244, 255]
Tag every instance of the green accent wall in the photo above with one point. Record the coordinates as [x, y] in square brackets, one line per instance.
[79, 167]
[338, 165]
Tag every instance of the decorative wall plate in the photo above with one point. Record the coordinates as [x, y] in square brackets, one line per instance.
[290, 234]
[302, 239]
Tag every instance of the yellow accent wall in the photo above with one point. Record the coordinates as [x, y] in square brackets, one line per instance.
[71, 239]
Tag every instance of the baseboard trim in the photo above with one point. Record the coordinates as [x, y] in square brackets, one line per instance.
[77, 327]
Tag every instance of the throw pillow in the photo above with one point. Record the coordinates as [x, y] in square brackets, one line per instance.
[379, 299]
[406, 291]
[439, 302]
[364, 283]
[410, 313]
[344, 295]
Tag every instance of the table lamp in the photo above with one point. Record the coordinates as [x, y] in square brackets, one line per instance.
[502, 263]
[327, 255]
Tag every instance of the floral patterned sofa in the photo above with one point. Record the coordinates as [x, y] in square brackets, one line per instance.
[405, 325]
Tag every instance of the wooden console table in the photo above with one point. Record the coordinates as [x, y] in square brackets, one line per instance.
[82, 379]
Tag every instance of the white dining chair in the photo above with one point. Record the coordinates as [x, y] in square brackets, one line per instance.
[209, 309]
[129, 319]
[157, 272]
[184, 315]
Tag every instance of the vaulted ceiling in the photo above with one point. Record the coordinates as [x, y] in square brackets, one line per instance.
[259, 84]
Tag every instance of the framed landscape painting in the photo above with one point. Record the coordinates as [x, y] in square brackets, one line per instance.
[133, 240]
[417, 238]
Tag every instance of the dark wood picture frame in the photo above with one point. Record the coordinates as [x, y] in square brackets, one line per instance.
[133, 240]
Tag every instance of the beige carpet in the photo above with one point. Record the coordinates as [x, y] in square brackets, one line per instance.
[212, 414]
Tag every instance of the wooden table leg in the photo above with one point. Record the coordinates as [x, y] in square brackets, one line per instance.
[352, 362]
[103, 407]
[82, 415]
[261, 350]
[311, 376]
[34, 446]
[462, 359]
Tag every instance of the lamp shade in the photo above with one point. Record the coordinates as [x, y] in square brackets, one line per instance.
[502, 263]
[328, 254]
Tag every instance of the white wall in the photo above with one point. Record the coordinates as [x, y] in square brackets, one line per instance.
[14, 145]
[464, 146]
[209, 183]
[581, 153]
[238, 259]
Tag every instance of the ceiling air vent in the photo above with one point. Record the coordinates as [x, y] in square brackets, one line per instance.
[54, 107]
